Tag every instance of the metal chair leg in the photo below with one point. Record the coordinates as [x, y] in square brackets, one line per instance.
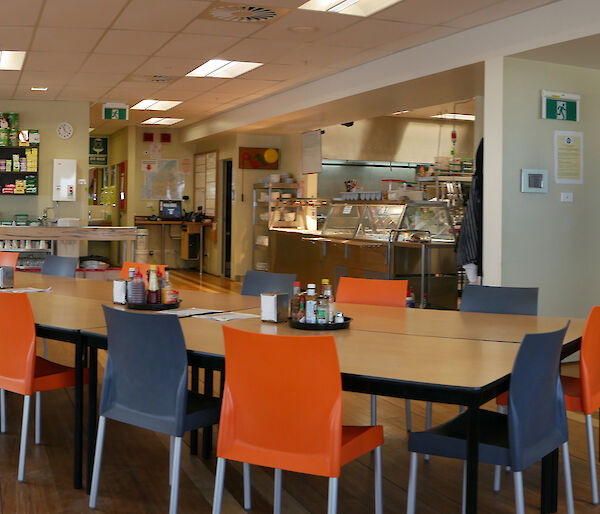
[171, 445]
[247, 486]
[373, 409]
[378, 481]
[277, 492]
[38, 417]
[175, 478]
[24, 427]
[497, 478]
[219, 481]
[464, 489]
[97, 462]
[408, 415]
[412, 484]
[592, 457]
[2, 411]
[519, 498]
[428, 412]
[332, 496]
[45, 348]
[568, 482]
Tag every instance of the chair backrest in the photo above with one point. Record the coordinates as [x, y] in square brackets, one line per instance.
[60, 266]
[17, 344]
[9, 259]
[142, 266]
[500, 300]
[256, 282]
[369, 291]
[537, 420]
[145, 379]
[282, 403]
[589, 363]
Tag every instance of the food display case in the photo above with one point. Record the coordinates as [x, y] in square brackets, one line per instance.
[379, 220]
[343, 220]
[303, 214]
[432, 218]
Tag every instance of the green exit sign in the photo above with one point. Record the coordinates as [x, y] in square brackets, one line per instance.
[560, 106]
[115, 112]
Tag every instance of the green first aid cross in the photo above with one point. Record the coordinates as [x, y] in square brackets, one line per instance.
[557, 109]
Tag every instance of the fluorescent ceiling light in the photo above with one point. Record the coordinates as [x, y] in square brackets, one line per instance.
[161, 121]
[455, 116]
[10, 60]
[220, 68]
[39, 89]
[401, 112]
[155, 105]
[355, 7]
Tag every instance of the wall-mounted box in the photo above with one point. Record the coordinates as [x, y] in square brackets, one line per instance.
[64, 180]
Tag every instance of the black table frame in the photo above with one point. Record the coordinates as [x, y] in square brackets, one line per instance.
[89, 342]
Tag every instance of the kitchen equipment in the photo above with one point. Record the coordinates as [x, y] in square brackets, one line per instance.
[7, 277]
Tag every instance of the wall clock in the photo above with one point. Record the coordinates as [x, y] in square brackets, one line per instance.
[64, 130]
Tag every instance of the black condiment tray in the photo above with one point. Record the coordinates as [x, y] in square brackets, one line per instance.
[320, 326]
[153, 306]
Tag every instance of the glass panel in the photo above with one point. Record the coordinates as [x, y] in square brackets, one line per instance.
[342, 220]
[379, 220]
[430, 216]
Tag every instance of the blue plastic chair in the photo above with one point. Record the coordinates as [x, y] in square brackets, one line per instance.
[145, 384]
[60, 266]
[535, 426]
[500, 300]
[257, 282]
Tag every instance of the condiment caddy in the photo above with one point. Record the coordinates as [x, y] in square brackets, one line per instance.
[312, 311]
[157, 295]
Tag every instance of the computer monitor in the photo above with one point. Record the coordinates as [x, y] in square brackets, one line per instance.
[170, 210]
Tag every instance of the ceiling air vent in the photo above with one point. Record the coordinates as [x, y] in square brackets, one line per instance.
[149, 78]
[242, 13]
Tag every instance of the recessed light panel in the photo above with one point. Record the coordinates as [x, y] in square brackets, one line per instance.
[39, 89]
[454, 116]
[10, 60]
[220, 68]
[155, 105]
[354, 7]
[161, 121]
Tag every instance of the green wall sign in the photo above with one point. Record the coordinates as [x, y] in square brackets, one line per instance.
[560, 106]
[98, 151]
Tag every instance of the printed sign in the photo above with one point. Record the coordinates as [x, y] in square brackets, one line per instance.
[98, 151]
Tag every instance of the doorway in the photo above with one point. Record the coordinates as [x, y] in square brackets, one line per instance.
[227, 201]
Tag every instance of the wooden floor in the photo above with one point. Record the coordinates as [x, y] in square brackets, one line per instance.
[134, 475]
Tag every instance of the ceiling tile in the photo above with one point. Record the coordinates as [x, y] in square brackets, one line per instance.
[273, 72]
[53, 61]
[324, 23]
[242, 86]
[360, 58]
[81, 13]
[431, 12]
[44, 78]
[97, 79]
[20, 13]
[179, 95]
[15, 38]
[159, 15]
[370, 32]
[495, 12]
[65, 40]
[315, 55]
[9, 77]
[258, 50]
[212, 99]
[168, 66]
[81, 93]
[196, 46]
[132, 42]
[222, 28]
[194, 84]
[25, 93]
[289, 4]
[418, 38]
[6, 92]
[112, 63]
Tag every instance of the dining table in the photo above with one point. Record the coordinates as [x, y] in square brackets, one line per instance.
[444, 356]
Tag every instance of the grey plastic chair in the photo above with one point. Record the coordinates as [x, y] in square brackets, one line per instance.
[145, 384]
[535, 426]
[500, 300]
[60, 266]
[256, 282]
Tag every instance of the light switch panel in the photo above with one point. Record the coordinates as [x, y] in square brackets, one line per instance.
[566, 197]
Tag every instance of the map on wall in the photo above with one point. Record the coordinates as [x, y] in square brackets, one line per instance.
[162, 180]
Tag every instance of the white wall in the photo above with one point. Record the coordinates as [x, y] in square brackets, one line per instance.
[547, 243]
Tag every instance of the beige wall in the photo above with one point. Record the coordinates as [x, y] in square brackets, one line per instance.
[546, 243]
[45, 116]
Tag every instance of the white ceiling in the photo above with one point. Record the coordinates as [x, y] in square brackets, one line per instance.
[107, 51]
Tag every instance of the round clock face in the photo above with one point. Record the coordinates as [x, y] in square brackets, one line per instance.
[64, 130]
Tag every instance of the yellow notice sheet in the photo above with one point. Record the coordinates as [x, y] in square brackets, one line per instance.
[568, 157]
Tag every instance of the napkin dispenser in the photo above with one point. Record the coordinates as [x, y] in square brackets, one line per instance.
[274, 307]
[7, 277]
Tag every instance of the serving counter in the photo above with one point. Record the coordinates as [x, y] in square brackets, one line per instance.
[414, 242]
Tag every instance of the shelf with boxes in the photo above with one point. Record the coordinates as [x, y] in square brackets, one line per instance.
[19, 170]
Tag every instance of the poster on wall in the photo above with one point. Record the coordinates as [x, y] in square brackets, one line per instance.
[98, 151]
[258, 158]
[162, 180]
[568, 157]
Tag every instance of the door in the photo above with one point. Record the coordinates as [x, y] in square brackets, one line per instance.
[227, 199]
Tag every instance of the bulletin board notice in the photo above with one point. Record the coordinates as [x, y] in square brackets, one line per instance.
[568, 157]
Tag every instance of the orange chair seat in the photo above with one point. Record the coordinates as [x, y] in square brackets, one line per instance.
[502, 399]
[357, 441]
[50, 375]
[573, 396]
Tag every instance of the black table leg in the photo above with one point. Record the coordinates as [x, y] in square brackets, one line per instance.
[549, 500]
[472, 458]
[78, 447]
[194, 433]
[92, 413]
[207, 431]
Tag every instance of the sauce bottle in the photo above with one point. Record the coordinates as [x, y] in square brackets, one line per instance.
[168, 294]
[153, 291]
[311, 304]
[138, 289]
[130, 282]
[295, 303]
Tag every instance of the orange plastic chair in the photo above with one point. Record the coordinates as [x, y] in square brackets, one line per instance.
[282, 408]
[9, 259]
[385, 293]
[368, 291]
[142, 266]
[21, 371]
